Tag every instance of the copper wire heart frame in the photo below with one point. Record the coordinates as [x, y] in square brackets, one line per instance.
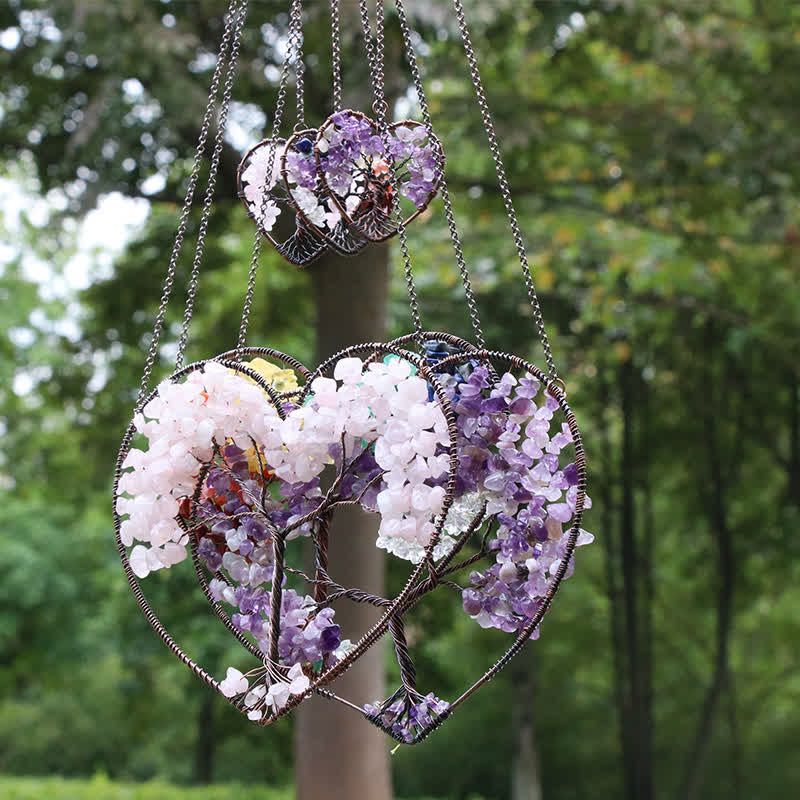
[424, 577]
[370, 221]
[373, 217]
[301, 248]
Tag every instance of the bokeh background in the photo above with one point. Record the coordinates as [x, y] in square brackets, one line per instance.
[654, 151]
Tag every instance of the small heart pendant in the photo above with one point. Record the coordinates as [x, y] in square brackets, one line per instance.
[266, 203]
[305, 191]
[356, 171]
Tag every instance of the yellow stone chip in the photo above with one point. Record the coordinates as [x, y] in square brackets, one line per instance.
[281, 380]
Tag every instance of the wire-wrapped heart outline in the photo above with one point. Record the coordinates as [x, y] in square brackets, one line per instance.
[368, 218]
[304, 246]
[379, 628]
[399, 606]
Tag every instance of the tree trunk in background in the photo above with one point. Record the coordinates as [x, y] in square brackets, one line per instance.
[737, 780]
[630, 557]
[630, 585]
[338, 755]
[646, 783]
[526, 779]
[716, 503]
[607, 482]
[206, 740]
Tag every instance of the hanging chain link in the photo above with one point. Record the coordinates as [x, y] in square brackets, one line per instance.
[380, 107]
[502, 180]
[375, 56]
[369, 45]
[293, 46]
[233, 11]
[336, 55]
[455, 238]
[205, 216]
[296, 45]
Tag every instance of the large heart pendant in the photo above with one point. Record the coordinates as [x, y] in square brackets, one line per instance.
[456, 453]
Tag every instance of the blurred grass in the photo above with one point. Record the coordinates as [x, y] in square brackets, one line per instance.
[101, 788]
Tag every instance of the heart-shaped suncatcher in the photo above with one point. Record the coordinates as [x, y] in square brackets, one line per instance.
[265, 201]
[455, 452]
[303, 184]
[471, 457]
[342, 183]
[364, 180]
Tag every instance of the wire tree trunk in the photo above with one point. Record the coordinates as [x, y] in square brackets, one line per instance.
[338, 755]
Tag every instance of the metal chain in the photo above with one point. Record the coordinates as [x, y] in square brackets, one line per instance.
[381, 109]
[336, 55]
[369, 44]
[375, 51]
[502, 180]
[295, 31]
[205, 216]
[169, 281]
[443, 190]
